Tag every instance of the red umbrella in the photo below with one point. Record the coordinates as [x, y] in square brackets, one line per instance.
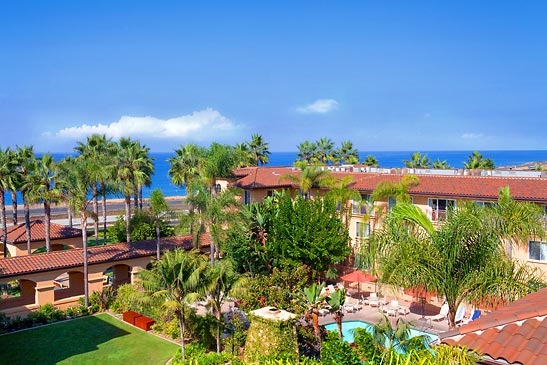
[359, 277]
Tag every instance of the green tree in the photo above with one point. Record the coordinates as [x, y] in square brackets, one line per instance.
[306, 151]
[5, 184]
[419, 161]
[476, 161]
[398, 190]
[27, 165]
[243, 155]
[159, 210]
[395, 337]
[310, 177]
[176, 278]
[259, 150]
[455, 260]
[43, 189]
[223, 281]
[324, 150]
[347, 154]
[314, 300]
[438, 164]
[341, 192]
[307, 231]
[336, 302]
[371, 161]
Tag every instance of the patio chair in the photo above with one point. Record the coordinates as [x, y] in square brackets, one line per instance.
[404, 310]
[460, 315]
[476, 314]
[443, 313]
[323, 312]
[392, 308]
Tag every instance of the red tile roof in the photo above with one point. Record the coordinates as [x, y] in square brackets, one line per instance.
[516, 333]
[18, 234]
[15, 266]
[448, 186]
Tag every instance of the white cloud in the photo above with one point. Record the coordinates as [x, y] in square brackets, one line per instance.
[471, 135]
[197, 125]
[320, 106]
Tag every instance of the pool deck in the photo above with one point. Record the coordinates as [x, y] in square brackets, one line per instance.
[374, 315]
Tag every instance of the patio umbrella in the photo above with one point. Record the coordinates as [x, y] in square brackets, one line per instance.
[359, 277]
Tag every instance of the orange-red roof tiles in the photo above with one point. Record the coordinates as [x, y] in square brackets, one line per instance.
[516, 333]
[18, 234]
[14, 266]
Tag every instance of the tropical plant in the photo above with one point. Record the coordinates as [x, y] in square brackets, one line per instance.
[324, 150]
[438, 164]
[42, 188]
[398, 190]
[5, 184]
[341, 192]
[310, 177]
[454, 260]
[259, 150]
[371, 161]
[314, 300]
[476, 161]
[347, 154]
[27, 164]
[243, 155]
[223, 281]
[336, 302]
[307, 151]
[179, 276]
[159, 211]
[417, 160]
[395, 337]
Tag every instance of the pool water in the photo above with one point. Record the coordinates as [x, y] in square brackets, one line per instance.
[348, 327]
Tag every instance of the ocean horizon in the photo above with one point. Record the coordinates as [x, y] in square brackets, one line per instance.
[389, 159]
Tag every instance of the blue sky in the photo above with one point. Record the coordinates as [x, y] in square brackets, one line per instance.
[408, 75]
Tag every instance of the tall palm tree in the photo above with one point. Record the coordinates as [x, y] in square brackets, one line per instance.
[314, 300]
[259, 150]
[342, 193]
[307, 151]
[324, 149]
[5, 184]
[159, 211]
[27, 165]
[310, 177]
[77, 182]
[222, 282]
[15, 181]
[419, 161]
[347, 154]
[243, 155]
[174, 279]
[457, 260]
[391, 337]
[476, 161]
[97, 150]
[43, 189]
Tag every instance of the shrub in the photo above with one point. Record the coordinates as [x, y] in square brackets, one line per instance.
[102, 299]
[364, 344]
[142, 227]
[337, 352]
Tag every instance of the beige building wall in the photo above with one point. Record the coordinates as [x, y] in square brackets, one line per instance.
[20, 249]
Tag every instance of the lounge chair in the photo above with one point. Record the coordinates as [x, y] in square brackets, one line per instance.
[443, 313]
[404, 310]
[460, 315]
[392, 308]
[476, 314]
[323, 312]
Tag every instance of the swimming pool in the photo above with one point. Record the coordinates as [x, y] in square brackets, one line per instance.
[348, 327]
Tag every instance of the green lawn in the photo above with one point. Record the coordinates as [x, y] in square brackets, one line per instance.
[93, 340]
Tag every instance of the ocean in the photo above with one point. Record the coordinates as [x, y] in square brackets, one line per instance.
[456, 159]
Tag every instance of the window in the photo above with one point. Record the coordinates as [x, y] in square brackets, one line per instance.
[247, 197]
[218, 188]
[439, 207]
[537, 251]
[269, 193]
[391, 201]
[362, 230]
[486, 204]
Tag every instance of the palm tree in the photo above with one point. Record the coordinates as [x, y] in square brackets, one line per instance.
[43, 189]
[419, 161]
[515, 221]
[336, 302]
[174, 279]
[307, 151]
[476, 161]
[438, 164]
[222, 282]
[77, 183]
[27, 165]
[371, 161]
[393, 337]
[243, 155]
[159, 210]
[398, 190]
[310, 177]
[98, 150]
[341, 193]
[5, 184]
[259, 150]
[347, 153]
[314, 300]
[324, 149]
[457, 260]
[15, 181]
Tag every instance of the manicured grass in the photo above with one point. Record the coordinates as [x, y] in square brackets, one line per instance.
[93, 340]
